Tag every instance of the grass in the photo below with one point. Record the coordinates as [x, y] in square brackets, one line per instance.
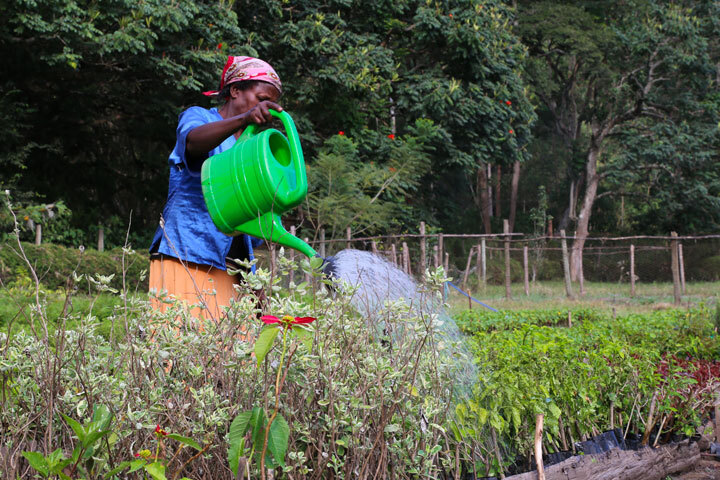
[602, 296]
[15, 310]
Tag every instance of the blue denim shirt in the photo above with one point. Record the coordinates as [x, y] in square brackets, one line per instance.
[189, 233]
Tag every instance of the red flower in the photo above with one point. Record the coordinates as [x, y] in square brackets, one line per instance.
[137, 454]
[219, 46]
[508, 102]
[287, 320]
[512, 131]
[391, 136]
[450, 15]
[160, 432]
[392, 169]
[341, 132]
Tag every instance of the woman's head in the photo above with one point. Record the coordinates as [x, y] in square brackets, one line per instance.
[243, 73]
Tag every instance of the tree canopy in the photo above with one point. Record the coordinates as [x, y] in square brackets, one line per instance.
[402, 107]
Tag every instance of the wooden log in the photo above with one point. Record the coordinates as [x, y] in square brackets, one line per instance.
[716, 421]
[423, 259]
[506, 231]
[526, 272]
[322, 242]
[632, 270]
[374, 247]
[478, 265]
[566, 265]
[393, 251]
[675, 268]
[447, 263]
[550, 228]
[348, 236]
[646, 464]
[436, 256]
[101, 239]
[467, 269]
[539, 419]
[681, 265]
[38, 234]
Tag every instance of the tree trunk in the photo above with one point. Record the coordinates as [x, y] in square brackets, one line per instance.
[498, 178]
[583, 220]
[482, 187]
[513, 194]
[570, 213]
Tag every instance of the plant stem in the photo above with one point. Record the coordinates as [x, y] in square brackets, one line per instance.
[277, 402]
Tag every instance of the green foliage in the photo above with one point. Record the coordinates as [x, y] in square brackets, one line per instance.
[529, 362]
[55, 265]
[344, 389]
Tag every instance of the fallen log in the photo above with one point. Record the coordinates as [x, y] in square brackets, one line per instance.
[646, 463]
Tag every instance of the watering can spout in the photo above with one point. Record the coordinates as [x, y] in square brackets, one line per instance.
[248, 187]
[269, 227]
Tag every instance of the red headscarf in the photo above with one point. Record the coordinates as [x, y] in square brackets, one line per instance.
[238, 69]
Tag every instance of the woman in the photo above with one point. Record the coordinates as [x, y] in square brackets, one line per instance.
[188, 253]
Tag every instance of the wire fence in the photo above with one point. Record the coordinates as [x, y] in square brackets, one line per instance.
[518, 259]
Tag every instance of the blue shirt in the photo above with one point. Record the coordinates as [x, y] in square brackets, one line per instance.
[189, 232]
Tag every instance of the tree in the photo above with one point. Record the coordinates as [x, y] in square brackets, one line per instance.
[599, 71]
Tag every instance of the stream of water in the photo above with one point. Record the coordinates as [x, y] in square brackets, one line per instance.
[377, 281]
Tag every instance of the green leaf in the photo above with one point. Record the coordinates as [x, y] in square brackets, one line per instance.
[102, 417]
[38, 462]
[156, 470]
[264, 342]
[137, 464]
[238, 429]
[93, 437]
[122, 466]
[185, 440]
[304, 335]
[258, 421]
[77, 428]
[278, 439]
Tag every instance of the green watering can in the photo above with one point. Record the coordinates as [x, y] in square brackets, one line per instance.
[248, 187]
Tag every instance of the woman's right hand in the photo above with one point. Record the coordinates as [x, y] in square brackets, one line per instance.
[260, 113]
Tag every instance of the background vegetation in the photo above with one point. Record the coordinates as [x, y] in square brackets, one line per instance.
[454, 112]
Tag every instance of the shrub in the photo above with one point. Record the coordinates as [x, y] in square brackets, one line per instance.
[359, 398]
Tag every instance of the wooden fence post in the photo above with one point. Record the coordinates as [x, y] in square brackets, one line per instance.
[506, 231]
[322, 242]
[447, 263]
[436, 256]
[393, 249]
[423, 265]
[374, 247]
[681, 264]
[308, 279]
[406, 258]
[566, 265]
[38, 234]
[483, 257]
[526, 273]
[441, 251]
[467, 269]
[291, 274]
[539, 419]
[674, 265]
[101, 239]
[632, 270]
[348, 236]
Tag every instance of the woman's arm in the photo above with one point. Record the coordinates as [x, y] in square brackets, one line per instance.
[204, 138]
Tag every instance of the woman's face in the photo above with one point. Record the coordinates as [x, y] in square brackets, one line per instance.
[244, 100]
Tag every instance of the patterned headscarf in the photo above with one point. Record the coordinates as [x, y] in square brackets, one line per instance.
[238, 69]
